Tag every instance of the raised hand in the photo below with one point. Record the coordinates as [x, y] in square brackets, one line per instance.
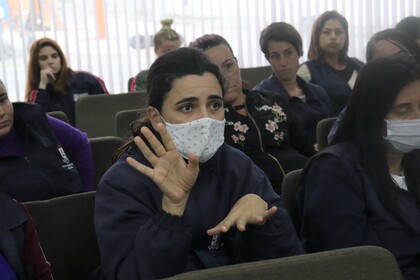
[46, 77]
[249, 209]
[174, 177]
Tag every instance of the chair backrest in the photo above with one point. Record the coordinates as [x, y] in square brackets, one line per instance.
[95, 114]
[322, 130]
[255, 75]
[103, 148]
[123, 120]
[361, 263]
[67, 234]
[59, 115]
[289, 188]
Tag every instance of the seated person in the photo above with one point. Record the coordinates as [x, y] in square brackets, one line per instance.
[54, 85]
[178, 198]
[364, 189]
[165, 40]
[259, 123]
[384, 43]
[282, 46]
[329, 66]
[41, 157]
[21, 255]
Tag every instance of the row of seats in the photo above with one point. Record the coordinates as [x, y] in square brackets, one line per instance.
[66, 229]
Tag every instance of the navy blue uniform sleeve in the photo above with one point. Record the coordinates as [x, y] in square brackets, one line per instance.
[334, 207]
[137, 240]
[277, 237]
[95, 85]
[42, 97]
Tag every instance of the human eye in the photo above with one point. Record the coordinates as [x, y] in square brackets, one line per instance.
[339, 32]
[186, 108]
[399, 111]
[43, 57]
[216, 105]
[326, 32]
[274, 56]
[54, 55]
[288, 53]
[4, 99]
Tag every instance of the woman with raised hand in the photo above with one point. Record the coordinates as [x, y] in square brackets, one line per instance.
[52, 84]
[178, 198]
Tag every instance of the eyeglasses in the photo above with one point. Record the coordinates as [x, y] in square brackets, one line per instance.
[229, 65]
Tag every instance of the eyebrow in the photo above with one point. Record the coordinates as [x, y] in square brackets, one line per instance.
[195, 99]
[186, 99]
[215, 97]
[227, 60]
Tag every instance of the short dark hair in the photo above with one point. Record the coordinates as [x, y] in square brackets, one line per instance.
[280, 31]
[315, 52]
[208, 41]
[399, 38]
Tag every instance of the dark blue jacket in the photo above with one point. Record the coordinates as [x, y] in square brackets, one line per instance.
[337, 89]
[316, 107]
[44, 171]
[269, 134]
[342, 209]
[138, 240]
[82, 83]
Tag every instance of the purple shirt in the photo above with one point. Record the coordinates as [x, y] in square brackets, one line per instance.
[74, 142]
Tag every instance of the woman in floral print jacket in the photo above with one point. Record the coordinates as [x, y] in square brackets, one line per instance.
[257, 122]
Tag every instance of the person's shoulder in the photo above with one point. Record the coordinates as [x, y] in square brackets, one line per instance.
[265, 84]
[356, 62]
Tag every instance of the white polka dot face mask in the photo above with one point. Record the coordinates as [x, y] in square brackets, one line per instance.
[203, 137]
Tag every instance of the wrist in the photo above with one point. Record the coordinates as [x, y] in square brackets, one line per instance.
[174, 208]
[42, 85]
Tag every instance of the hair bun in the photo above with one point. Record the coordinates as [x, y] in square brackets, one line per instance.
[166, 23]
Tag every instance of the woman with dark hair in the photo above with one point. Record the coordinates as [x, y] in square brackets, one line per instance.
[411, 25]
[178, 198]
[53, 84]
[282, 46]
[40, 157]
[390, 42]
[259, 123]
[384, 43]
[329, 65]
[364, 189]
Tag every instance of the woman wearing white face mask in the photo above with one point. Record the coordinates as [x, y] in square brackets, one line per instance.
[365, 188]
[171, 203]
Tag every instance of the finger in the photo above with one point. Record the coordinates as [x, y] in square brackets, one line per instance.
[193, 164]
[153, 141]
[241, 224]
[222, 227]
[140, 167]
[144, 149]
[166, 138]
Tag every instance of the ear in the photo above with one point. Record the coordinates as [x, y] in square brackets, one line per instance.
[153, 116]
